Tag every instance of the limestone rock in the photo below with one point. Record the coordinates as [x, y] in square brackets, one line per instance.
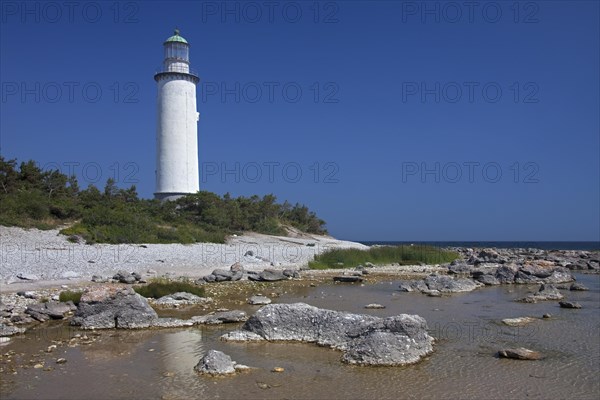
[569, 304]
[215, 363]
[222, 317]
[520, 353]
[545, 292]
[113, 307]
[7, 330]
[365, 339]
[50, 310]
[181, 298]
[520, 321]
[259, 300]
[578, 287]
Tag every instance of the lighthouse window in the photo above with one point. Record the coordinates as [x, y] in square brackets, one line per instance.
[177, 51]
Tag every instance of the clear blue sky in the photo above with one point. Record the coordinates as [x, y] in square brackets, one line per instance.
[389, 90]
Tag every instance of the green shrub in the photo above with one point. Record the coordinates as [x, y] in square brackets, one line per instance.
[162, 288]
[73, 296]
[405, 255]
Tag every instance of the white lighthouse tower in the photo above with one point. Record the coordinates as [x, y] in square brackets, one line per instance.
[177, 127]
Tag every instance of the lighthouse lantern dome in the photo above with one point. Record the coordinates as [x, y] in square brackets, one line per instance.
[176, 48]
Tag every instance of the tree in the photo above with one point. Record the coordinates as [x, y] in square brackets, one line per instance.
[110, 189]
[8, 175]
[54, 183]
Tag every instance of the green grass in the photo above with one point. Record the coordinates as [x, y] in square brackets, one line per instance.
[162, 287]
[67, 295]
[405, 255]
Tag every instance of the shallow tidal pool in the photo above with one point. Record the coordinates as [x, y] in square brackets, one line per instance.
[158, 364]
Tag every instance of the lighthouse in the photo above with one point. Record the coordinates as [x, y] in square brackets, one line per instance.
[177, 123]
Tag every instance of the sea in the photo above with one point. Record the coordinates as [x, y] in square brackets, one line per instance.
[502, 245]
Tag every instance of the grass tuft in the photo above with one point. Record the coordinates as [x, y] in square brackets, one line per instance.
[404, 255]
[73, 296]
[161, 287]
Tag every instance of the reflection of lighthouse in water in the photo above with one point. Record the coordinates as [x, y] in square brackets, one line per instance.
[177, 127]
[181, 351]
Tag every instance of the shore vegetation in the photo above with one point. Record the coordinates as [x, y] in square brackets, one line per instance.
[381, 255]
[47, 199]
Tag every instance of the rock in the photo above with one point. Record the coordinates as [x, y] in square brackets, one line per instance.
[27, 277]
[6, 330]
[521, 321]
[49, 310]
[29, 295]
[548, 292]
[181, 298]
[347, 279]
[520, 353]
[61, 360]
[447, 284]
[559, 275]
[259, 300]
[222, 275]
[505, 274]
[369, 265]
[290, 273]
[240, 367]
[545, 292]
[124, 277]
[242, 336]
[172, 323]
[405, 287]
[563, 286]
[21, 319]
[263, 386]
[272, 275]
[221, 317]
[488, 254]
[278, 369]
[486, 279]
[237, 271]
[112, 307]
[99, 279]
[364, 339]
[459, 268]
[535, 270]
[375, 306]
[578, 286]
[524, 278]
[546, 316]
[209, 278]
[569, 304]
[268, 275]
[215, 363]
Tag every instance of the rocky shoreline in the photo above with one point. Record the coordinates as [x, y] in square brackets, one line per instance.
[109, 302]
